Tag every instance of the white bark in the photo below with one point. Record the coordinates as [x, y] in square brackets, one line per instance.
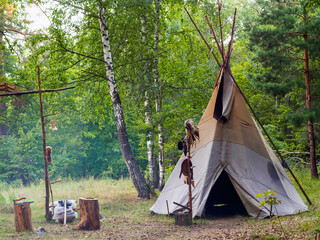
[150, 136]
[158, 98]
[134, 171]
[148, 114]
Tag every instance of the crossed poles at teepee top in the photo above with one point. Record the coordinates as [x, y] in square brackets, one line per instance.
[225, 65]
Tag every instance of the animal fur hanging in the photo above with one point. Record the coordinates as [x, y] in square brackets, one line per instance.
[192, 132]
[48, 154]
[184, 172]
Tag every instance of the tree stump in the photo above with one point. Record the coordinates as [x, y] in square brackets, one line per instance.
[22, 213]
[317, 236]
[183, 219]
[89, 214]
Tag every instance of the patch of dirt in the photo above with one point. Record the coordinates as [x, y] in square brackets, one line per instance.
[134, 221]
[156, 228]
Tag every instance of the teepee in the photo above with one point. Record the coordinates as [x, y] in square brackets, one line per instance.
[232, 160]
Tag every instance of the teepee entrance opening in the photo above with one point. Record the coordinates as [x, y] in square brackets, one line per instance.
[223, 200]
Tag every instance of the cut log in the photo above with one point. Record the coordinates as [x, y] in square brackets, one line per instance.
[69, 219]
[89, 214]
[22, 213]
[183, 219]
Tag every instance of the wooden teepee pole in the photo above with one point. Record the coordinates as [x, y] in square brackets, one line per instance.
[211, 50]
[219, 7]
[227, 57]
[214, 36]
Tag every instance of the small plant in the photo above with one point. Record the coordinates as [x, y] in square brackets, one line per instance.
[271, 201]
[268, 200]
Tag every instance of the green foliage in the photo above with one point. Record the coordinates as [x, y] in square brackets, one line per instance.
[2, 200]
[70, 53]
[276, 32]
[268, 199]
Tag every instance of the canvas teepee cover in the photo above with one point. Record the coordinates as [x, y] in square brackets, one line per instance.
[233, 144]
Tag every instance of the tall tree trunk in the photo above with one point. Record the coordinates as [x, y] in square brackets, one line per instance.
[313, 163]
[2, 74]
[158, 98]
[46, 171]
[132, 165]
[161, 158]
[153, 175]
[150, 142]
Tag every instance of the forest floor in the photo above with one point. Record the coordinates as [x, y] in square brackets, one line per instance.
[129, 218]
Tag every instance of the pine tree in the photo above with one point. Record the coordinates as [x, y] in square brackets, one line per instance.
[285, 36]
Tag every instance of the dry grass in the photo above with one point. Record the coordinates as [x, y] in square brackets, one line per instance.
[129, 218]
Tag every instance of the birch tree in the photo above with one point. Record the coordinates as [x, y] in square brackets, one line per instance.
[146, 76]
[158, 96]
[134, 171]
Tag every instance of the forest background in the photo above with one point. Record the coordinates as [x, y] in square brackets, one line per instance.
[164, 75]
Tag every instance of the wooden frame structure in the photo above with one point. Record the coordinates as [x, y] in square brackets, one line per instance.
[17, 92]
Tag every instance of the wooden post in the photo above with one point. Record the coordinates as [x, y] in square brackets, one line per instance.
[89, 214]
[65, 212]
[22, 220]
[46, 172]
[189, 180]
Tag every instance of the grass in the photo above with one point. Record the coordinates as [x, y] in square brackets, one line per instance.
[129, 218]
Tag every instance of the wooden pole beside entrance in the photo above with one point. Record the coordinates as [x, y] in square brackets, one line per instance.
[185, 218]
[189, 180]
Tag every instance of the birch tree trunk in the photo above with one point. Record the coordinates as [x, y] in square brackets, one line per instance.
[148, 113]
[150, 142]
[132, 165]
[158, 98]
[313, 163]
